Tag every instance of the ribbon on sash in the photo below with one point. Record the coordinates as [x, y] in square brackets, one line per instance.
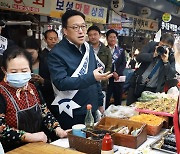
[64, 98]
[3, 44]
[117, 52]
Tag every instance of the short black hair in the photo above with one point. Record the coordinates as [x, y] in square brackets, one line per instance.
[111, 31]
[14, 52]
[49, 31]
[168, 38]
[96, 28]
[68, 14]
[30, 43]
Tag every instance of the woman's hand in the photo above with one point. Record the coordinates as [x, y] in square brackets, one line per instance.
[2, 128]
[61, 133]
[101, 76]
[37, 78]
[34, 137]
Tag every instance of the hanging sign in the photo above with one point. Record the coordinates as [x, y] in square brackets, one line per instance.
[166, 17]
[114, 26]
[145, 12]
[117, 5]
[170, 26]
[93, 13]
[132, 21]
[31, 6]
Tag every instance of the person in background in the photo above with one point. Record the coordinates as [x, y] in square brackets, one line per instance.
[176, 117]
[154, 58]
[51, 39]
[4, 44]
[22, 110]
[41, 75]
[115, 87]
[75, 73]
[101, 51]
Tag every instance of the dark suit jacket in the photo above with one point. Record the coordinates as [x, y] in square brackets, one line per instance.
[46, 89]
[63, 60]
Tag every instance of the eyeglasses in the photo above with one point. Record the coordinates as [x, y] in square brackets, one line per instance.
[76, 28]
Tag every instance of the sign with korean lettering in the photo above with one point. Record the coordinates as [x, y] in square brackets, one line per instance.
[93, 13]
[114, 26]
[132, 21]
[32, 6]
[166, 17]
[170, 26]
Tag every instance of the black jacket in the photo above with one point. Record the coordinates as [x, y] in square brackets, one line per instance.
[46, 89]
[167, 71]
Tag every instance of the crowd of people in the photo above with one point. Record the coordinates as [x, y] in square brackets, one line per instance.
[43, 93]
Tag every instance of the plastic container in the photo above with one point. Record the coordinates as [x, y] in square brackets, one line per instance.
[107, 145]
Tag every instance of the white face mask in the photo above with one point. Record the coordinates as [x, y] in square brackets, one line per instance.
[18, 80]
[177, 66]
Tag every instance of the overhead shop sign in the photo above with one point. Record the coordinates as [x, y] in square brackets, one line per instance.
[170, 26]
[166, 17]
[132, 21]
[114, 26]
[31, 6]
[93, 13]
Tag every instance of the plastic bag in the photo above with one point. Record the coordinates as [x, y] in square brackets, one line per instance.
[120, 111]
[173, 92]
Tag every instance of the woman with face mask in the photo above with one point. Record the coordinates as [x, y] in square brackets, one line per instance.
[22, 111]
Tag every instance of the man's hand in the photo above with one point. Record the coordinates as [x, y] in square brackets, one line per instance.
[115, 75]
[101, 109]
[101, 76]
[62, 133]
[155, 52]
[165, 56]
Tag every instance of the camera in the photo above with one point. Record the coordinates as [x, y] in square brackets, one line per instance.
[162, 49]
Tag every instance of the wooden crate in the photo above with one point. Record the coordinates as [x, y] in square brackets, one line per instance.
[122, 139]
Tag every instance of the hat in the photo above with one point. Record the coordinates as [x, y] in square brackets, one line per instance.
[2, 23]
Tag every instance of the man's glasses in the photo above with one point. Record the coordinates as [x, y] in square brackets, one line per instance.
[76, 28]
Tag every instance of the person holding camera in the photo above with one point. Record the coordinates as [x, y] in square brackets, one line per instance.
[157, 68]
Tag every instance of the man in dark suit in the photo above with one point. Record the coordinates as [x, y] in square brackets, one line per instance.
[74, 73]
[51, 39]
[115, 86]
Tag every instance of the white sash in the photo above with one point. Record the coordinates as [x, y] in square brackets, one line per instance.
[64, 98]
[3, 44]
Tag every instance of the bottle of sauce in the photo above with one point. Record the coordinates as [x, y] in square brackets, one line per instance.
[107, 145]
[89, 119]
